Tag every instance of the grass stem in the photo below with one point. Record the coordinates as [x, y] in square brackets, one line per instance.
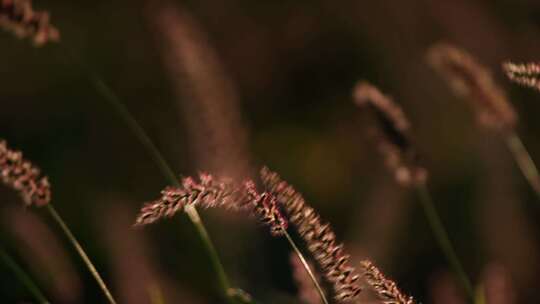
[306, 266]
[23, 277]
[443, 240]
[160, 161]
[81, 252]
[524, 161]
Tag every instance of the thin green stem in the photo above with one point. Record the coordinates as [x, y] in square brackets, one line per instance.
[524, 161]
[306, 266]
[134, 126]
[443, 240]
[23, 277]
[81, 252]
[214, 257]
[160, 161]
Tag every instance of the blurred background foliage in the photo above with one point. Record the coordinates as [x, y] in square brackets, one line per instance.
[293, 65]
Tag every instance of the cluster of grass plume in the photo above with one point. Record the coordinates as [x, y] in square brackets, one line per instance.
[279, 204]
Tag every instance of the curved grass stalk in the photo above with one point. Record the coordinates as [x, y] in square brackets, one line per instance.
[81, 252]
[524, 161]
[306, 266]
[443, 240]
[162, 164]
[25, 279]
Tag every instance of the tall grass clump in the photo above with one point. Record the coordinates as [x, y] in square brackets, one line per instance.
[13, 11]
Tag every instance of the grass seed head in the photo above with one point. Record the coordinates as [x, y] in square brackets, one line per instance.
[474, 82]
[320, 240]
[394, 141]
[18, 17]
[22, 176]
[386, 289]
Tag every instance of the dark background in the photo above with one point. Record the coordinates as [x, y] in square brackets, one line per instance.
[293, 65]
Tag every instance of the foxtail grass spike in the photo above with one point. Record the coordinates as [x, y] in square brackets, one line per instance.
[386, 289]
[210, 192]
[473, 82]
[210, 101]
[525, 74]
[122, 111]
[394, 139]
[318, 236]
[22, 176]
[395, 130]
[18, 17]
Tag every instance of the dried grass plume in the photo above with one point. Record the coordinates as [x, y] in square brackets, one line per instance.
[210, 192]
[394, 134]
[23, 177]
[210, 101]
[330, 257]
[474, 82]
[525, 74]
[18, 17]
[386, 289]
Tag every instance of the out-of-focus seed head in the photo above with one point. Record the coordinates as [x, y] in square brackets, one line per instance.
[18, 17]
[474, 82]
[394, 141]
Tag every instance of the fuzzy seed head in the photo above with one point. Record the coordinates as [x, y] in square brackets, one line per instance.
[18, 17]
[206, 192]
[394, 141]
[474, 82]
[264, 206]
[23, 177]
[386, 289]
[331, 260]
[525, 74]
[209, 192]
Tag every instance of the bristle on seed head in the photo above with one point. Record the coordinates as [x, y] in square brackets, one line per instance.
[525, 74]
[386, 289]
[394, 134]
[330, 257]
[265, 207]
[210, 192]
[23, 176]
[474, 82]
